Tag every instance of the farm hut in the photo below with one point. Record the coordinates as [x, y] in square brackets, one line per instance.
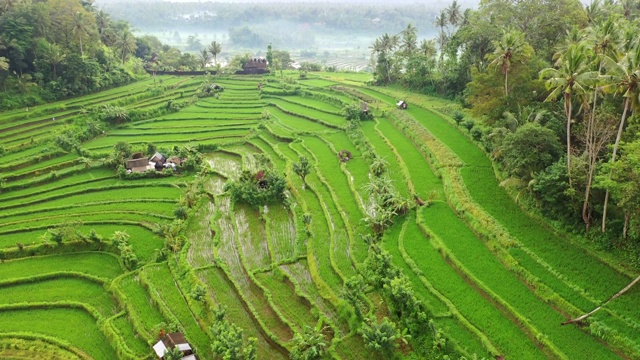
[173, 340]
[174, 160]
[402, 105]
[364, 108]
[256, 66]
[138, 165]
[157, 157]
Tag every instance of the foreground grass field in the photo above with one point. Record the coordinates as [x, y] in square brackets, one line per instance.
[493, 280]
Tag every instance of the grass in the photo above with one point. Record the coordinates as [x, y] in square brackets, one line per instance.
[171, 298]
[15, 348]
[92, 263]
[272, 276]
[140, 305]
[224, 295]
[131, 339]
[252, 238]
[75, 289]
[73, 326]
[295, 309]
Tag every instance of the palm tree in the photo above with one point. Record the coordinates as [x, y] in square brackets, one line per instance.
[623, 78]
[428, 48]
[441, 20]
[126, 43]
[511, 48]
[54, 55]
[102, 21]
[204, 58]
[569, 79]
[605, 40]
[4, 63]
[454, 14]
[409, 40]
[215, 48]
[79, 28]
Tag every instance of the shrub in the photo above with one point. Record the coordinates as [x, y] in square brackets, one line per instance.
[180, 212]
[458, 117]
[257, 189]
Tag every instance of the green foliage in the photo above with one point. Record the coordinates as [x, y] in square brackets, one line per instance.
[258, 189]
[380, 336]
[308, 345]
[198, 292]
[121, 240]
[458, 117]
[302, 168]
[180, 212]
[228, 342]
[529, 150]
[353, 292]
[113, 114]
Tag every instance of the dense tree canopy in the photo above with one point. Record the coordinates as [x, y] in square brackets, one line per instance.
[60, 48]
[545, 81]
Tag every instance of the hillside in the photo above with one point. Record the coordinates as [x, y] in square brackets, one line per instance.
[397, 216]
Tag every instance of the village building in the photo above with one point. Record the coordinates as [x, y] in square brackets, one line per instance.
[174, 340]
[138, 163]
[256, 66]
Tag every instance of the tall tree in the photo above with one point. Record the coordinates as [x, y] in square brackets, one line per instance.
[215, 48]
[511, 48]
[622, 78]
[569, 80]
[54, 55]
[604, 39]
[454, 14]
[204, 58]
[409, 40]
[125, 43]
[79, 28]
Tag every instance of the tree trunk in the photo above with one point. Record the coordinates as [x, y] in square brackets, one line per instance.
[613, 160]
[625, 229]
[506, 82]
[593, 156]
[618, 294]
[568, 110]
[586, 214]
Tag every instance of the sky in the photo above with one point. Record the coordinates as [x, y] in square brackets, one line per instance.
[463, 3]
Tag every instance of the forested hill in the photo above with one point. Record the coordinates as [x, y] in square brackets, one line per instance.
[325, 16]
[61, 48]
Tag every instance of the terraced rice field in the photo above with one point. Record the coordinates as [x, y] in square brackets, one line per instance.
[493, 280]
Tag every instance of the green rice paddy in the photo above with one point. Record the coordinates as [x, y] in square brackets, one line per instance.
[278, 269]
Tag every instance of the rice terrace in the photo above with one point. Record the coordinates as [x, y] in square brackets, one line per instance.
[300, 212]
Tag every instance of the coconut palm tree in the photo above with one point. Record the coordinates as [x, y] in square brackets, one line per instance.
[622, 78]
[604, 40]
[512, 47]
[126, 43]
[204, 58]
[54, 55]
[428, 48]
[79, 28]
[215, 48]
[569, 80]
[409, 40]
[454, 14]
[441, 20]
[102, 21]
